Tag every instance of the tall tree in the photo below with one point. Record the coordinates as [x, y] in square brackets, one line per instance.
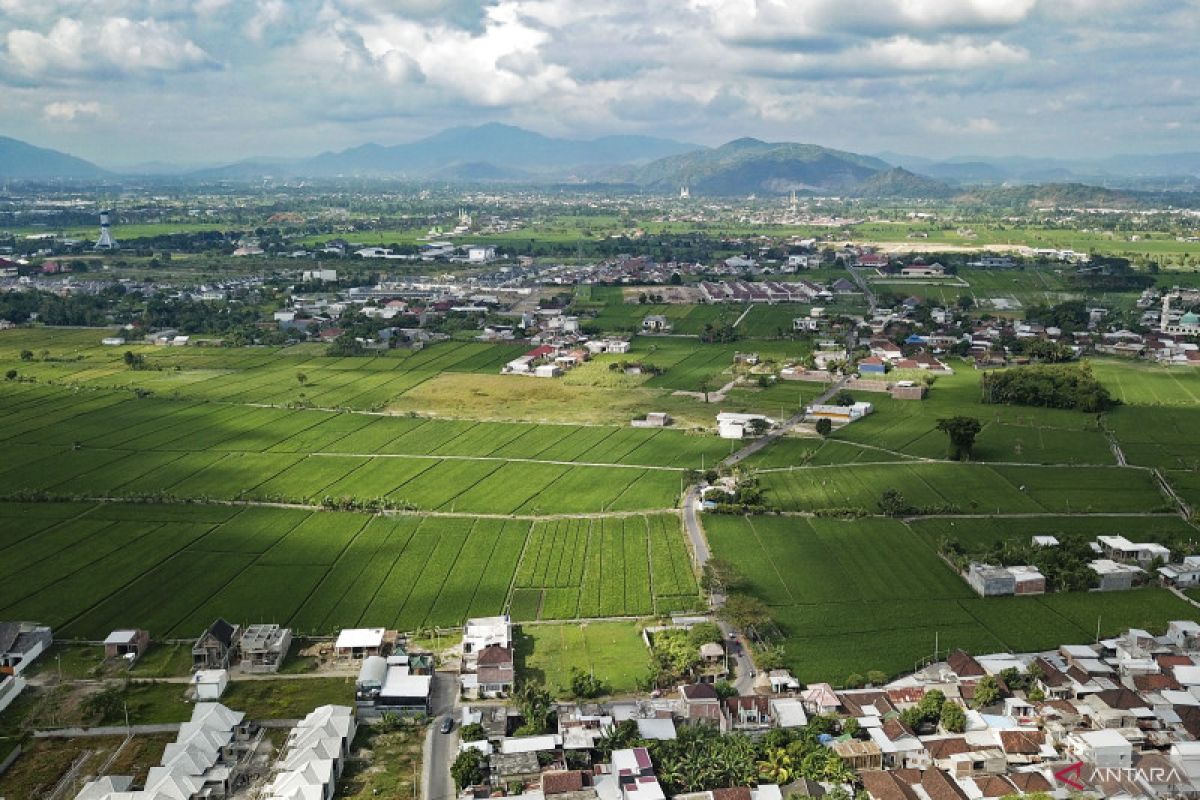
[962, 432]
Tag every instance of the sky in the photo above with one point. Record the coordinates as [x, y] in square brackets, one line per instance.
[123, 82]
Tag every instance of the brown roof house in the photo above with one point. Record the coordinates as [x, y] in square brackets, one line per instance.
[701, 703]
[494, 667]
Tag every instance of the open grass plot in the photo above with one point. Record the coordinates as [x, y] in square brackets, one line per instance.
[243, 375]
[855, 596]
[612, 651]
[966, 488]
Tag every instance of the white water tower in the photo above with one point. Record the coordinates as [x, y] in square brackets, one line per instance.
[105, 242]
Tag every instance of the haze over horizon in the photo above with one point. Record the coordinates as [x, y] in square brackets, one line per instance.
[207, 81]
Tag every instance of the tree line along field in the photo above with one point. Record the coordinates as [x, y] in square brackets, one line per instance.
[86, 569]
[871, 594]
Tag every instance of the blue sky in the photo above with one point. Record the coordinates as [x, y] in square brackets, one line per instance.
[202, 81]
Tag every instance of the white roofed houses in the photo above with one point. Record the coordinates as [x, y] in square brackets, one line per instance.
[209, 758]
[731, 425]
[1119, 548]
[313, 756]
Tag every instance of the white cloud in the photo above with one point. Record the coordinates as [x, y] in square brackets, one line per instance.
[70, 110]
[113, 46]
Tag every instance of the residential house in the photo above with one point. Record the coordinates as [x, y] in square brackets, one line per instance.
[481, 632]
[656, 323]
[1182, 575]
[217, 647]
[859, 755]
[264, 647]
[403, 690]
[355, 644]
[20, 644]
[1102, 748]
[494, 670]
[746, 713]
[872, 365]
[210, 758]
[1115, 576]
[1118, 548]
[700, 703]
[820, 698]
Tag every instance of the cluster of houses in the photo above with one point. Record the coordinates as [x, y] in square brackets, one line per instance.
[1119, 718]
[739, 291]
[538, 763]
[213, 756]
[563, 348]
[1119, 565]
[313, 756]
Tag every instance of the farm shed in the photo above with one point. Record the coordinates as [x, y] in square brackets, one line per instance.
[210, 683]
[124, 643]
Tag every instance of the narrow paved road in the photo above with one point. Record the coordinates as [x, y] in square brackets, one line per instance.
[440, 748]
[761, 442]
[702, 553]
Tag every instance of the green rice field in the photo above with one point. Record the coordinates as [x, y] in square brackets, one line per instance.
[86, 569]
[872, 594]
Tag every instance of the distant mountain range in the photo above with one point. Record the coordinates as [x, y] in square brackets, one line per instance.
[495, 153]
[483, 153]
[22, 161]
[1161, 172]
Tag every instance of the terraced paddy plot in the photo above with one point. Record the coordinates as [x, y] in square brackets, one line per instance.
[869, 594]
[612, 566]
[967, 488]
[87, 568]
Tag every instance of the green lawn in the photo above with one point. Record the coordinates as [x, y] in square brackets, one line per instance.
[612, 651]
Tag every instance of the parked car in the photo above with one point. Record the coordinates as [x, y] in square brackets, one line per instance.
[447, 725]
